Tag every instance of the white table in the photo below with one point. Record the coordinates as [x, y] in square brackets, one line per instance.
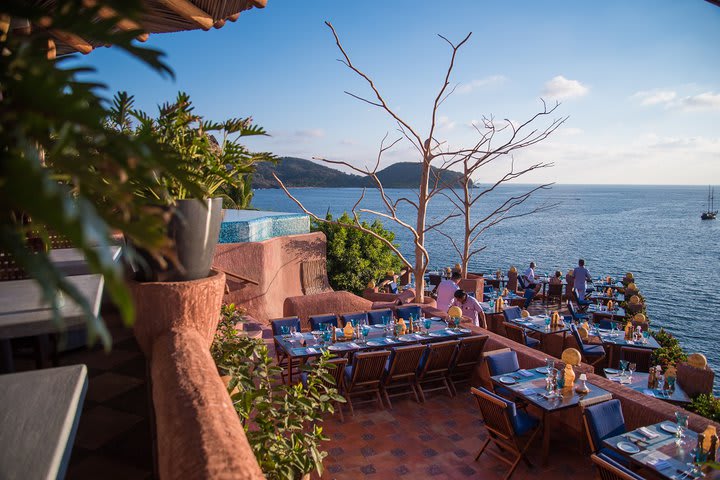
[39, 414]
[71, 261]
[23, 313]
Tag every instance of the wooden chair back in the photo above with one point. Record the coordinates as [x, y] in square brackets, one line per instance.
[469, 352]
[515, 333]
[638, 356]
[439, 357]
[368, 369]
[404, 362]
[336, 367]
[609, 470]
[494, 414]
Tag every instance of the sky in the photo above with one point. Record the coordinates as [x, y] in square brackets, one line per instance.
[639, 81]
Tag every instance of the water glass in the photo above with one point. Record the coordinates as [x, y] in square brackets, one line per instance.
[670, 384]
[682, 423]
[293, 330]
[457, 323]
[550, 364]
[547, 322]
[427, 324]
[285, 330]
[326, 337]
[365, 332]
[631, 368]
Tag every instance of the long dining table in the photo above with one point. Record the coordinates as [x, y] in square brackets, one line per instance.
[306, 345]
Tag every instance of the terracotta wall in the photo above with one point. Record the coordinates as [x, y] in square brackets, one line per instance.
[198, 432]
[274, 264]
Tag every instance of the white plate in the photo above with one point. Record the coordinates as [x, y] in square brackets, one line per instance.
[669, 427]
[380, 325]
[508, 380]
[436, 334]
[543, 370]
[611, 371]
[335, 348]
[316, 332]
[464, 330]
[406, 338]
[436, 319]
[374, 344]
[628, 447]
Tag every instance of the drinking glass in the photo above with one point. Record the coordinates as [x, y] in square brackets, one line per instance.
[670, 384]
[550, 364]
[645, 337]
[682, 423]
[456, 320]
[631, 368]
[623, 366]
[285, 330]
[547, 322]
[365, 332]
[353, 322]
[427, 324]
[293, 330]
[326, 337]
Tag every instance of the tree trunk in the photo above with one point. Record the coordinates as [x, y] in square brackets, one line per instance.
[468, 231]
[420, 264]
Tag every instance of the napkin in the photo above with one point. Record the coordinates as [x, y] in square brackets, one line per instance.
[526, 391]
[659, 460]
[353, 345]
[389, 340]
[648, 433]
[524, 373]
[311, 350]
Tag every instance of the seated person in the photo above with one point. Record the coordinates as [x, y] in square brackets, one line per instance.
[470, 307]
[531, 280]
[556, 279]
[389, 283]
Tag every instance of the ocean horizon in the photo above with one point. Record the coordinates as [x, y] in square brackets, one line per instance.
[654, 231]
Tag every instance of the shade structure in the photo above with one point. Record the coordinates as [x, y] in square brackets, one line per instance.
[159, 16]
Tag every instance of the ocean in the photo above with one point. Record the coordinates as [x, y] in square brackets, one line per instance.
[653, 231]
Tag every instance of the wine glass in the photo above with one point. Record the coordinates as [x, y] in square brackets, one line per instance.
[623, 366]
[293, 330]
[427, 324]
[631, 368]
[549, 363]
[327, 336]
[547, 322]
[285, 330]
[365, 331]
[456, 321]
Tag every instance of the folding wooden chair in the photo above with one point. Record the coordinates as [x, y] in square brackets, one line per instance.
[435, 367]
[510, 429]
[611, 470]
[467, 357]
[364, 376]
[403, 367]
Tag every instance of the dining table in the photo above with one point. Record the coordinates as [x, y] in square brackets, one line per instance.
[614, 340]
[602, 296]
[306, 345]
[537, 324]
[656, 448]
[638, 381]
[530, 386]
[601, 312]
[23, 312]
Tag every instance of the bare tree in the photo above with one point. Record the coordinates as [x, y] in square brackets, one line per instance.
[434, 161]
[483, 154]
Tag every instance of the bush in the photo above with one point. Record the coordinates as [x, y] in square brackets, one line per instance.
[670, 350]
[354, 257]
[280, 421]
[706, 405]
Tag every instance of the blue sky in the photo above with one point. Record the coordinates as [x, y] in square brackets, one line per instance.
[639, 80]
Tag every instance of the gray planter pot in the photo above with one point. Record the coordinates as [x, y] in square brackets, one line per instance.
[195, 229]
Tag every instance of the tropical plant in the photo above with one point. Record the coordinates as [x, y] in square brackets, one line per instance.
[280, 421]
[706, 405]
[63, 169]
[225, 346]
[670, 351]
[355, 257]
[219, 165]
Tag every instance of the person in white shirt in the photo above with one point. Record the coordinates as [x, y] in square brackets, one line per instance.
[581, 276]
[531, 280]
[445, 291]
[470, 307]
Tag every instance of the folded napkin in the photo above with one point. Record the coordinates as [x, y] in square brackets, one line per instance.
[647, 432]
[527, 391]
[389, 340]
[311, 350]
[524, 373]
[353, 345]
[659, 460]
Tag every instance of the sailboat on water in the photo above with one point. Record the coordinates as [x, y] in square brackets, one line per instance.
[710, 214]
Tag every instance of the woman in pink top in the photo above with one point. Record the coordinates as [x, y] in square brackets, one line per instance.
[470, 307]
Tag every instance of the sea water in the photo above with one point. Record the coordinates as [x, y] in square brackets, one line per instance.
[653, 231]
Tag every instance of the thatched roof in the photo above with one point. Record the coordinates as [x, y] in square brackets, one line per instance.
[160, 16]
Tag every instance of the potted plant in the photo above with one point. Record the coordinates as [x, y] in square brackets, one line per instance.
[217, 165]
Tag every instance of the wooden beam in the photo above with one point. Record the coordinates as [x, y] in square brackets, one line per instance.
[108, 13]
[189, 11]
[73, 41]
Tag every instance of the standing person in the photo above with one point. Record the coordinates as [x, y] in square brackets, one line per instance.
[581, 276]
[445, 291]
[470, 307]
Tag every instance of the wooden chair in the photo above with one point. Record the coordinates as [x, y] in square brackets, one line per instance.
[609, 469]
[435, 367]
[375, 317]
[336, 368]
[403, 367]
[554, 291]
[517, 334]
[592, 354]
[603, 420]
[364, 376]
[468, 355]
[641, 357]
[359, 318]
[282, 358]
[317, 320]
[510, 429]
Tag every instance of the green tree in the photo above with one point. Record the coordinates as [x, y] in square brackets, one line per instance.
[354, 257]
